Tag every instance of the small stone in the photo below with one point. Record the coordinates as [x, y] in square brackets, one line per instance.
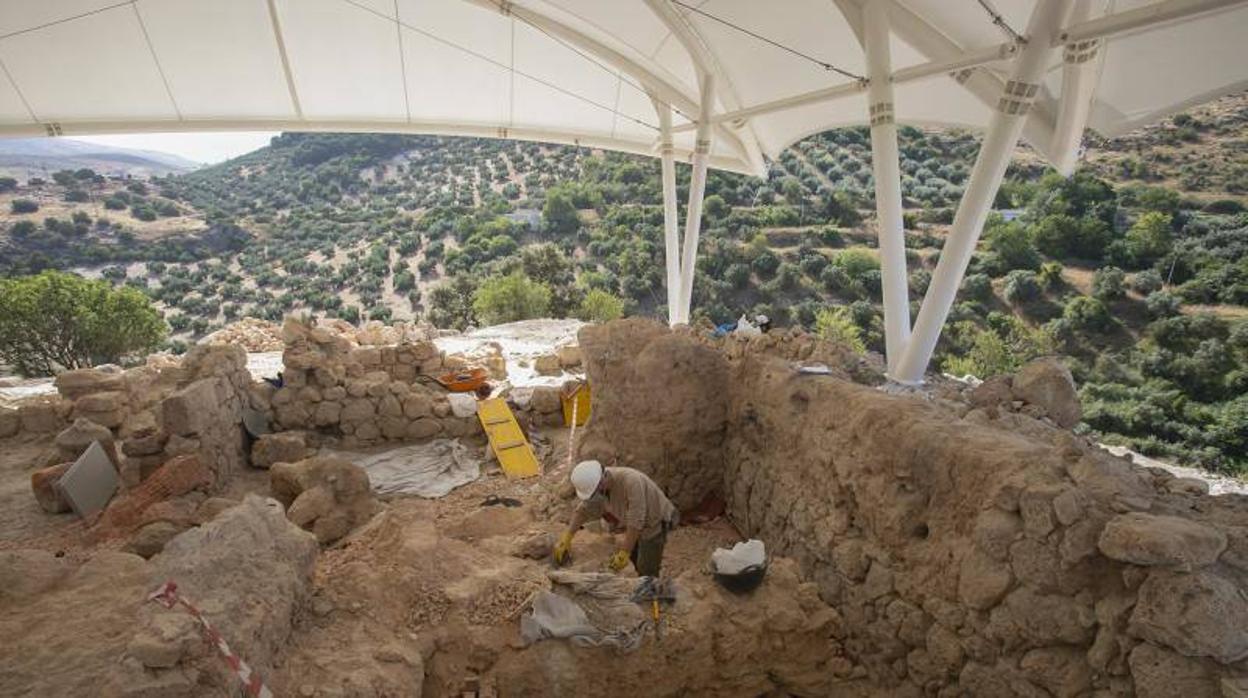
[152, 538]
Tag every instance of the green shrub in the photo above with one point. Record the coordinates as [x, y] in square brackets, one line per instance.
[20, 206]
[511, 298]
[1146, 282]
[1109, 284]
[1021, 287]
[856, 261]
[977, 287]
[1162, 305]
[837, 325]
[600, 306]
[1087, 313]
[57, 321]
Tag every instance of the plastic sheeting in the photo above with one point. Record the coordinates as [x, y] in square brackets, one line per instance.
[430, 469]
[597, 612]
[739, 557]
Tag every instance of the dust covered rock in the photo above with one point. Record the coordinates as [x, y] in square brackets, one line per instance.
[325, 495]
[282, 447]
[1047, 384]
[1201, 614]
[1147, 539]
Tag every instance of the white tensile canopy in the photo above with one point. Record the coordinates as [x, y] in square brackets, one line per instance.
[720, 83]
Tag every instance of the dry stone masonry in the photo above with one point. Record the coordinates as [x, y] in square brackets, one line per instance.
[970, 547]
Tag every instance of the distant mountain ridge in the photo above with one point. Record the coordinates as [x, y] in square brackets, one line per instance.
[39, 157]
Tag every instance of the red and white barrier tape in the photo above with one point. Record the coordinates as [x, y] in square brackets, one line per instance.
[167, 596]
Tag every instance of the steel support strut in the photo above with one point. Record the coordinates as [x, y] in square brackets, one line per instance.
[697, 189]
[1080, 75]
[887, 170]
[671, 222]
[994, 157]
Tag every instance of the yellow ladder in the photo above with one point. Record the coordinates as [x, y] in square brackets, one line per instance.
[514, 453]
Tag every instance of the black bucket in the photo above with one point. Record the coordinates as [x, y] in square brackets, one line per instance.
[742, 582]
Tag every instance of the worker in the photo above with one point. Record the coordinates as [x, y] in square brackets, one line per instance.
[763, 323]
[629, 502]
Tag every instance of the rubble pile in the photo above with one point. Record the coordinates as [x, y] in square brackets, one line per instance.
[328, 496]
[366, 394]
[976, 548]
[252, 334]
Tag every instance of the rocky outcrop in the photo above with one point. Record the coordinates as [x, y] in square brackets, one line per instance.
[328, 496]
[251, 569]
[1147, 539]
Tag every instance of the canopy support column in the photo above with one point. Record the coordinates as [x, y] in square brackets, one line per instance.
[1080, 74]
[671, 220]
[887, 170]
[990, 165]
[697, 189]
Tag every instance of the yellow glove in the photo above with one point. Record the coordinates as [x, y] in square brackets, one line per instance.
[563, 547]
[618, 561]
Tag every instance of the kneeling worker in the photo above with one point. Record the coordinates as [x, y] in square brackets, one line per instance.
[628, 501]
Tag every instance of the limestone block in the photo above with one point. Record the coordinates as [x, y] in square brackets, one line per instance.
[389, 406]
[85, 381]
[1160, 673]
[281, 447]
[423, 428]
[547, 365]
[152, 538]
[1147, 539]
[327, 414]
[358, 410]
[545, 400]
[75, 439]
[983, 581]
[569, 356]
[41, 416]
[1201, 614]
[190, 410]
[416, 405]
[392, 427]
[1048, 384]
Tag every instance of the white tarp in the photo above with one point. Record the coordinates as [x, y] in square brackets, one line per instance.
[567, 71]
[740, 556]
[430, 469]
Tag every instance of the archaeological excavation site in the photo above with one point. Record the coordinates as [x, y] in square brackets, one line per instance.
[351, 526]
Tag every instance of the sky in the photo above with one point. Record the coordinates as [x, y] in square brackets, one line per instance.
[207, 148]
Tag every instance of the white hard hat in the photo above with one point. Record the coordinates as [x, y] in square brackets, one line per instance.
[761, 319]
[585, 478]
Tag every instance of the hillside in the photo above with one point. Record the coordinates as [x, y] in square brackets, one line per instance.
[39, 157]
[1135, 269]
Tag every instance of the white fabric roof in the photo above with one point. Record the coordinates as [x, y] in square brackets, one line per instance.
[555, 70]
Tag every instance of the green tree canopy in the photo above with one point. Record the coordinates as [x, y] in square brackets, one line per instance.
[57, 321]
[600, 306]
[511, 298]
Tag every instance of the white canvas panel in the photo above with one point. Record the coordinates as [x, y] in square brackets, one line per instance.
[540, 106]
[633, 25]
[11, 107]
[478, 29]
[24, 15]
[446, 85]
[219, 58]
[553, 61]
[97, 66]
[344, 60]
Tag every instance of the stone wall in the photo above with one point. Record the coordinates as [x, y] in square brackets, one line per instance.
[968, 550]
[365, 394]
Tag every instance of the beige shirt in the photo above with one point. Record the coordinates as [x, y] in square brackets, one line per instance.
[633, 502]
